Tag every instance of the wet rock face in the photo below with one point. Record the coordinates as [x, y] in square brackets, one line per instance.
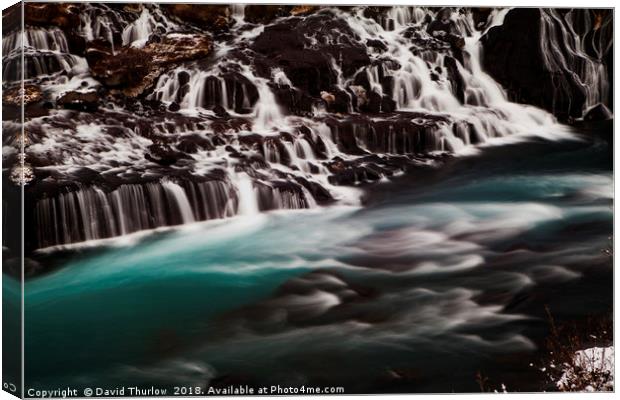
[64, 15]
[215, 18]
[598, 113]
[126, 68]
[516, 55]
[263, 14]
[15, 96]
[135, 70]
[306, 47]
[33, 102]
[88, 101]
[175, 48]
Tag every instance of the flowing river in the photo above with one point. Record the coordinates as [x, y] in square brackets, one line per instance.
[440, 275]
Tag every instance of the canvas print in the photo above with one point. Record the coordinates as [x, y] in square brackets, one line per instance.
[204, 199]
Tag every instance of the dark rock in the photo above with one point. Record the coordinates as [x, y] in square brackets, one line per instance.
[517, 62]
[455, 78]
[88, 101]
[397, 133]
[215, 18]
[354, 175]
[286, 44]
[379, 104]
[135, 70]
[163, 154]
[293, 100]
[376, 44]
[14, 97]
[194, 142]
[264, 14]
[376, 12]
[320, 194]
[480, 16]
[598, 113]
[126, 68]
[33, 101]
[64, 15]
[97, 50]
[220, 111]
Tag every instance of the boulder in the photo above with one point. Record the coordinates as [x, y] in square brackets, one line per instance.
[163, 154]
[126, 68]
[33, 101]
[81, 101]
[13, 96]
[598, 113]
[310, 67]
[135, 70]
[175, 48]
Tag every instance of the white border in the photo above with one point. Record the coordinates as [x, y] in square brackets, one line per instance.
[484, 3]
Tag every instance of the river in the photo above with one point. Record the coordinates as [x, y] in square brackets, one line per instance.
[438, 275]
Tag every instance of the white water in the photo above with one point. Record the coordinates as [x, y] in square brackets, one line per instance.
[247, 198]
[485, 118]
[177, 193]
[571, 57]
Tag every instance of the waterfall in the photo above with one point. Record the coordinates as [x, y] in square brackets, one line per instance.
[45, 52]
[139, 31]
[400, 16]
[247, 197]
[176, 195]
[238, 12]
[564, 51]
[267, 113]
[89, 213]
[52, 39]
[241, 138]
[98, 26]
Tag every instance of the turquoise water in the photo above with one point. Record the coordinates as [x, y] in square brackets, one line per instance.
[440, 274]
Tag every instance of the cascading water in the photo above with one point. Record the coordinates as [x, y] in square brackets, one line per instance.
[256, 133]
[89, 213]
[45, 52]
[571, 58]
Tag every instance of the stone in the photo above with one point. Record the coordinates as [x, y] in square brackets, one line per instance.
[13, 96]
[133, 70]
[264, 14]
[215, 18]
[598, 113]
[304, 10]
[81, 101]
